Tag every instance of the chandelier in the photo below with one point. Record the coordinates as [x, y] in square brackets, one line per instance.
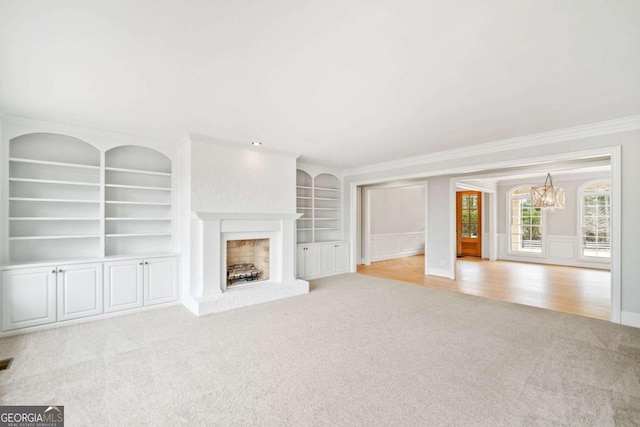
[547, 197]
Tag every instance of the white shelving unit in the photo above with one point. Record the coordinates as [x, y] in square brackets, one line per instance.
[73, 215]
[54, 198]
[304, 205]
[319, 202]
[326, 208]
[321, 250]
[137, 201]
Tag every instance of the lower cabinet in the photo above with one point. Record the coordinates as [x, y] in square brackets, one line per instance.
[41, 295]
[134, 283]
[308, 261]
[79, 290]
[28, 297]
[322, 259]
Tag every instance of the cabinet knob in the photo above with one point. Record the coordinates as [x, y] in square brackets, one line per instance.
[141, 263]
[146, 263]
[60, 271]
[53, 271]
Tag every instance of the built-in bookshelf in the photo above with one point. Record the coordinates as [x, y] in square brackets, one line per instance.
[137, 201]
[63, 203]
[54, 198]
[319, 202]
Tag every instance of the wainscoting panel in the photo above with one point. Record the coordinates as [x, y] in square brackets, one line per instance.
[558, 250]
[563, 247]
[397, 245]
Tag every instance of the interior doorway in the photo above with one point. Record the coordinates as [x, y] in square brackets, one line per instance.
[469, 223]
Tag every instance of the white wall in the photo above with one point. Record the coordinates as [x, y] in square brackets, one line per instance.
[439, 250]
[232, 178]
[397, 210]
[440, 216]
[397, 222]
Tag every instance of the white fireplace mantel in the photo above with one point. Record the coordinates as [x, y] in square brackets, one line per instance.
[211, 230]
[208, 216]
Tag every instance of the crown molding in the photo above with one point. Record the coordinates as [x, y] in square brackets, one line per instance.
[622, 124]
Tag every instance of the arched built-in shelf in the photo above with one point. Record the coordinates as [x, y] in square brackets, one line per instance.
[54, 198]
[137, 201]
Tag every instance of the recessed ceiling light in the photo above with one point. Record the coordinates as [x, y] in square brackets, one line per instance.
[257, 144]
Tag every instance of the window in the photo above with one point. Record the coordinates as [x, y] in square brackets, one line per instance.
[525, 223]
[595, 219]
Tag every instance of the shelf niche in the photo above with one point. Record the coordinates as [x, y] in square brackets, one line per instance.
[53, 179]
[138, 197]
[319, 202]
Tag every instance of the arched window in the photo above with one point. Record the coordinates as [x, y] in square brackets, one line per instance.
[525, 223]
[595, 219]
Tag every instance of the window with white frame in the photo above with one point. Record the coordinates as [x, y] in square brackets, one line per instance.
[595, 219]
[525, 222]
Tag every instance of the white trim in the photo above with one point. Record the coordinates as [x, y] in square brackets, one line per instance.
[426, 224]
[577, 132]
[543, 226]
[366, 255]
[493, 227]
[580, 194]
[441, 272]
[616, 232]
[453, 236]
[630, 318]
[208, 216]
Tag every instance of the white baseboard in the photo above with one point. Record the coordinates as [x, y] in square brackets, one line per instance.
[440, 272]
[397, 255]
[630, 318]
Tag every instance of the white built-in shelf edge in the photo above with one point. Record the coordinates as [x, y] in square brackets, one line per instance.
[37, 218]
[33, 199]
[72, 236]
[137, 187]
[138, 219]
[139, 171]
[49, 163]
[51, 181]
[138, 234]
[124, 202]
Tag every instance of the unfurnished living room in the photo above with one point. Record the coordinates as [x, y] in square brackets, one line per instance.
[319, 213]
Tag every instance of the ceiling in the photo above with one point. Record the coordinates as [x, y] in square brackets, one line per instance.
[344, 83]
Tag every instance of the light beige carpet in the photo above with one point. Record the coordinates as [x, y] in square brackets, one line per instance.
[357, 350]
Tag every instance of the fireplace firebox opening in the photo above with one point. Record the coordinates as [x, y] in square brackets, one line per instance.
[247, 261]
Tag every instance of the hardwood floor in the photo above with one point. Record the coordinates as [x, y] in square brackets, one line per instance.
[581, 291]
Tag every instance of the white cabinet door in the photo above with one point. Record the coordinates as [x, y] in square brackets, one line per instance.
[160, 280]
[327, 259]
[123, 285]
[28, 297]
[79, 290]
[300, 262]
[342, 257]
[311, 261]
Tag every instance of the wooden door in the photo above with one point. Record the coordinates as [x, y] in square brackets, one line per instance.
[469, 223]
